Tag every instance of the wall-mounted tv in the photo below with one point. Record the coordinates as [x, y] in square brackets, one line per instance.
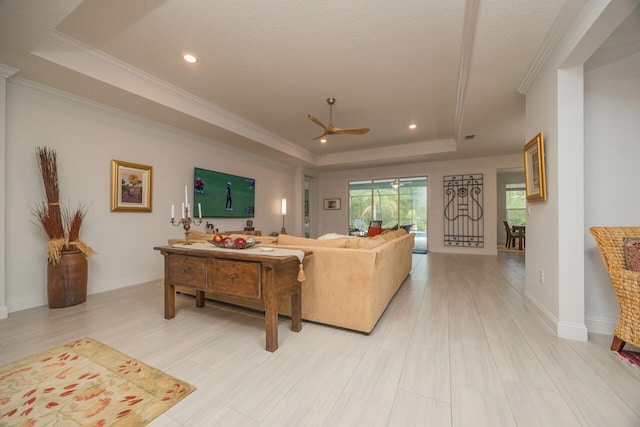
[222, 195]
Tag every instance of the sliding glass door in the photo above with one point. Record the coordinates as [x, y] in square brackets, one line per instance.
[397, 202]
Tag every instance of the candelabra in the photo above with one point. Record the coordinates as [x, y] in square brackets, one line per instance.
[186, 222]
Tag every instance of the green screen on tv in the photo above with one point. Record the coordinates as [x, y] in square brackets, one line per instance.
[223, 195]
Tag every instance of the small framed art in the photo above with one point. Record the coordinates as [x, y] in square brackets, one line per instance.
[130, 187]
[331, 204]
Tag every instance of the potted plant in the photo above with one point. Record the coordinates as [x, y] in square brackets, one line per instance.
[67, 268]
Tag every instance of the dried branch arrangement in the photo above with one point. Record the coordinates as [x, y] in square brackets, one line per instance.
[61, 225]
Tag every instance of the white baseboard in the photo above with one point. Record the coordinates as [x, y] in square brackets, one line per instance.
[26, 303]
[600, 325]
[572, 331]
[4, 312]
[547, 318]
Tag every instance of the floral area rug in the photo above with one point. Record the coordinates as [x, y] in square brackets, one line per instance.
[85, 382]
[632, 357]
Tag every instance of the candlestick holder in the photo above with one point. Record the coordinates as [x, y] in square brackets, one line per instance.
[186, 223]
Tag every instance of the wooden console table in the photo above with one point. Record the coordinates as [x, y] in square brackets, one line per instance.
[247, 277]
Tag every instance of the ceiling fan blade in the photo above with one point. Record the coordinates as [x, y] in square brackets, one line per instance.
[325, 133]
[315, 120]
[351, 131]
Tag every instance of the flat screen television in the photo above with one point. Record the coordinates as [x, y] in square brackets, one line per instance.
[222, 195]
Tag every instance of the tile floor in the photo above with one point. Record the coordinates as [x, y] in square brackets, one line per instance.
[457, 346]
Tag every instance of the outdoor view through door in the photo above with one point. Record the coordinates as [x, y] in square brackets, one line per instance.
[397, 202]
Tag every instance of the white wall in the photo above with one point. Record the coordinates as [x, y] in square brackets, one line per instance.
[556, 228]
[542, 221]
[87, 137]
[612, 150]
[335, 184]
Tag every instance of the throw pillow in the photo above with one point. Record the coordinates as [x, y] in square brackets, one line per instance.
[632, 253]
[374, 231]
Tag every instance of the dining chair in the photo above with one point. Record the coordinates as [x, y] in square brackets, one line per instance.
[511, 239]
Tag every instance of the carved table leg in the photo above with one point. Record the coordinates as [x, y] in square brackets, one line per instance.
[169, 301]
[270, 308]
[199, 298]
[271, 324]
[296, 311]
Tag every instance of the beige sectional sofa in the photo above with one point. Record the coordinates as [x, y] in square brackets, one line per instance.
[349, 280]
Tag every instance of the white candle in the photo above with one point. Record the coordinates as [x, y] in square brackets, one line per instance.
[199, 211]
[182, 210]
[172, 212]
[186, 198]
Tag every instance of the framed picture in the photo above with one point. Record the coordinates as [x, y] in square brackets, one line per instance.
[130, 187]
[331, 204]
[534, 171]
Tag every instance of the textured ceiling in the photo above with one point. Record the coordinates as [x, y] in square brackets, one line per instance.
[453, 67]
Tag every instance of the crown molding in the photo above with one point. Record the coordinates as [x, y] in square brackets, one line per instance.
[82, 102]
[75, 55]
[550, 43]
[7, 71]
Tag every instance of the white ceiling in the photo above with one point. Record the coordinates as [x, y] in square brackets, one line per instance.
[453, 67]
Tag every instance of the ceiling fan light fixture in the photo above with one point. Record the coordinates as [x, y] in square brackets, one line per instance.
[323, 140]
[413, 126]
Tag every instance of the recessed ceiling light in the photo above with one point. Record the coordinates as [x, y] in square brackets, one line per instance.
[323, 140]
[412, 126]
[190, 58]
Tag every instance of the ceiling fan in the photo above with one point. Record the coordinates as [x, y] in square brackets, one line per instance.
[331, 129]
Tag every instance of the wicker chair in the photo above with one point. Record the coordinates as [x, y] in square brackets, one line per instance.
[626, 283]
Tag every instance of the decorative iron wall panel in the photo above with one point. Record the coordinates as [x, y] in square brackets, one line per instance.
[463, 210]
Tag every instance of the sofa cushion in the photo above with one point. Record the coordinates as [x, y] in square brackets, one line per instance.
[632, 253]
[366, 243]
[388, 235]
[353, 242]
[330, 236]
[285, 239]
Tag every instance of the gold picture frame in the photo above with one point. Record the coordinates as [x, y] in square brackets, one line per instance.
[534, 170]
[131, 187]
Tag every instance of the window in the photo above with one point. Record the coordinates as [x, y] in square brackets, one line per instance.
[516, 203]
[394, 201]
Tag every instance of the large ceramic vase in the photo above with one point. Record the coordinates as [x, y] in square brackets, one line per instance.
[67, 280]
